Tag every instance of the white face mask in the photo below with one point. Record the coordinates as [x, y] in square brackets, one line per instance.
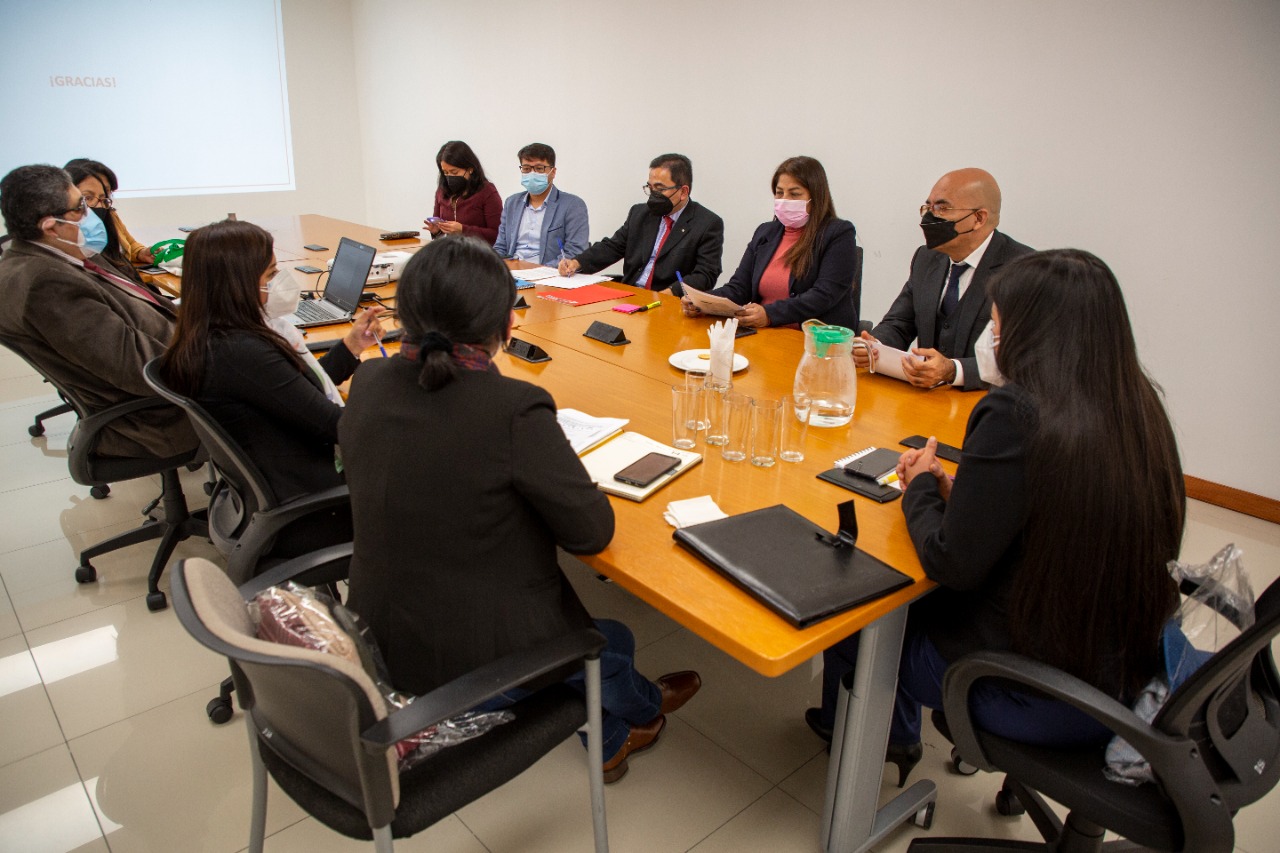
[985, 352]
[283, 295]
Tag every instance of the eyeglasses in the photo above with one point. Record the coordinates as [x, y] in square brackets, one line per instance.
[649, 189]
[939, 208]
[80, 208]
[94, 200]
[541, 170]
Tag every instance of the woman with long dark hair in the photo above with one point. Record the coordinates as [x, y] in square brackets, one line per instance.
[1067, 505]
[466, 202]
[225, 355]
[462, 485]
[800, 264]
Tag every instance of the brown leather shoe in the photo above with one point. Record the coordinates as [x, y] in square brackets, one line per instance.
[639, 739]
[678, 688]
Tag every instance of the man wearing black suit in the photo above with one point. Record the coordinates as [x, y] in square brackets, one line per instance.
[666, 235]
[944, 304]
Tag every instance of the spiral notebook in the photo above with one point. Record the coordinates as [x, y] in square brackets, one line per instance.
[862, 473]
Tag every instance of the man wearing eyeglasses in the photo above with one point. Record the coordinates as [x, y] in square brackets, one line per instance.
[944, 305]
[543, 224]
[73, 315]
[666, 235]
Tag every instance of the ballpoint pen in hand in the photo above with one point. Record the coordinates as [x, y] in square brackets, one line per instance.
[680, 279]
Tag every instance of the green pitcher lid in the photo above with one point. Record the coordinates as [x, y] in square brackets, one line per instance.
[825, 336]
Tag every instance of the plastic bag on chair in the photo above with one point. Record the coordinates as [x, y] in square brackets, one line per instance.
[297, 615]
[1214, 614]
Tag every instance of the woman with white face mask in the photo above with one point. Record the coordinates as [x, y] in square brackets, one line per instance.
[278, 404]
[801, 263]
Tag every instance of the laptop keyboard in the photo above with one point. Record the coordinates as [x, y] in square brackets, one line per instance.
[309, 311]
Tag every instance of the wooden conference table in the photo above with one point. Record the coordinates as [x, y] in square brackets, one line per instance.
[633, 381]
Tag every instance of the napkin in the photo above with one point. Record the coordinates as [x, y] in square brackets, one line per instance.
[721, 333]
[692, 511]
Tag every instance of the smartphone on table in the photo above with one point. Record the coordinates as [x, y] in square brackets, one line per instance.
[646, 469]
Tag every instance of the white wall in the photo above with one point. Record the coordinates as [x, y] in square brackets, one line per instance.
[1142, 130]
[328, 162]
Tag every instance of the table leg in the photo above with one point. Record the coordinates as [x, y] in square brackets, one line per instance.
[850, 820]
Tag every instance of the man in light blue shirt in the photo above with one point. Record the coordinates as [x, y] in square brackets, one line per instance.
[542, 225]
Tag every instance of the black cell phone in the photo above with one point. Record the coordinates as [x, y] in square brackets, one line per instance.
[308, 269]
[316, 247]
[945, 451]
[744, 331]
[646, 469]
[152, 270]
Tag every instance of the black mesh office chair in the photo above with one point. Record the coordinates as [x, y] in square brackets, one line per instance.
[1214, 748]
[244, 515]
[320, 727]
[90, 468]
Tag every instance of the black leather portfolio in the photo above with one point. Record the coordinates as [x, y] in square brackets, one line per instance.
[797, 569]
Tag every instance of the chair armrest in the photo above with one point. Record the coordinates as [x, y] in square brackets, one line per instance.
[324, 566]
[492, 679]
[89, 427]
[1155, 746]
[263, 527]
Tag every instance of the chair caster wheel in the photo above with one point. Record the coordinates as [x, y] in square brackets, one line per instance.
[961, 766]
[1009, 805]
[924, 817]
[156, 601]
[219, 710]
[35, 430]
[86, 574]
[99, 492]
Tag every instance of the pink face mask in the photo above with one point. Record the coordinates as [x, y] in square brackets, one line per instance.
[792, 213]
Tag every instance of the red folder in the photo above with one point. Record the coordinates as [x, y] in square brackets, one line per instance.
[587, 295]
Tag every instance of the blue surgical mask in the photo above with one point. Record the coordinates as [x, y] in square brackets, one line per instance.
[92, 238]
[533, 182]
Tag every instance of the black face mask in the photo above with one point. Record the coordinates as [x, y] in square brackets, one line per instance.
[659, 204]
[939, 231]
[455, 184]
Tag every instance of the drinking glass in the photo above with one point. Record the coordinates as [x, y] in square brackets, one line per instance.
[795, 426]
[737, 410]
[766, 425]
[686, 414]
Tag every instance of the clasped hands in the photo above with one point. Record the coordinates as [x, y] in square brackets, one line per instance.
[929, 370]
[924, 461]
[447, 227]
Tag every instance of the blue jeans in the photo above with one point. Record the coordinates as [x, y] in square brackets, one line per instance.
[1007, 713]
[627, 698]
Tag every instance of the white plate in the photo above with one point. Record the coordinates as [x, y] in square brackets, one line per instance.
[689, 360]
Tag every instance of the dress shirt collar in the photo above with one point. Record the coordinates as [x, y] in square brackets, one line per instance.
[975, 257]
[61, 254]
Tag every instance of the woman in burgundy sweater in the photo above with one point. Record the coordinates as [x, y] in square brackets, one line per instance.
[466, 202]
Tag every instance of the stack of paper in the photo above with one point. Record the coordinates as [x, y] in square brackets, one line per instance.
[584, 431]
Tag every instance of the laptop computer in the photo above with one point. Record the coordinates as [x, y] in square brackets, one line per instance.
[346, 282]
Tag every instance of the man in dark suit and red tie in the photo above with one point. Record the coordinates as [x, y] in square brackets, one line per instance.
[74, 316]
[944, 305]
[666, 235]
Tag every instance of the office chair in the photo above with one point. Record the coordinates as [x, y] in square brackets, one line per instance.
[857, 291]
[320, 727]
[37, 426]
[244, 515]
[1214, 748]
[89, 468]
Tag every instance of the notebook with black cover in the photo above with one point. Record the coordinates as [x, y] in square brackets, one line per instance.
[793, 566]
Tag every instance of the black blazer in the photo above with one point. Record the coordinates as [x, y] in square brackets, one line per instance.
[278, 413]
[914, 314]
[826, 291]
[693, 249]
[972, 544]
[460, 497]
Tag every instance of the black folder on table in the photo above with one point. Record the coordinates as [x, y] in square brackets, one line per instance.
[793, 566]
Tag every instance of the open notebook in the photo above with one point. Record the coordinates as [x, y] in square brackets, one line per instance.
[617, 453]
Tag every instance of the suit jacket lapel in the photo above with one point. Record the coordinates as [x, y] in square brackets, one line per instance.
[935, 278]
[970, 308]
[681, 228]
[548, 219]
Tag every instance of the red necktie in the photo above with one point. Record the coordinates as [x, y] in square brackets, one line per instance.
[671, 224]
[120, 281]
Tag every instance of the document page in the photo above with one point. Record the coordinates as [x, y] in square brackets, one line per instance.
[717, 306]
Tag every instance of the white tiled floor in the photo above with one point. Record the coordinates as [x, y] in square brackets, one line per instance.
[105, 744]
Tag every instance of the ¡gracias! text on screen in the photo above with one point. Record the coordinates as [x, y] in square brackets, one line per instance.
[59, 81]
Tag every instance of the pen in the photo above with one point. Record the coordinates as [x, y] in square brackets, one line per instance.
[680, 279]
[562, 257]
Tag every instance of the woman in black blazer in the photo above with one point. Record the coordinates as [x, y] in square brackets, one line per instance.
[269, 397]
[1054, 537]
[802, 263]
[462, 486]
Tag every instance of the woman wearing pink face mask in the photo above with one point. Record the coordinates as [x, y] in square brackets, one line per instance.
[800, 264]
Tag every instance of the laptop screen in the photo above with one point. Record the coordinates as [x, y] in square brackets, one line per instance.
[350, 272]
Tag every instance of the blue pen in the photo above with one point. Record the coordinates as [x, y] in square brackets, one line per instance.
[562, 258]
[680, 279]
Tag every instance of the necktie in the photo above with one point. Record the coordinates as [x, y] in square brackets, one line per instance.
[951, 296]
[669, 224]
[121, 282]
